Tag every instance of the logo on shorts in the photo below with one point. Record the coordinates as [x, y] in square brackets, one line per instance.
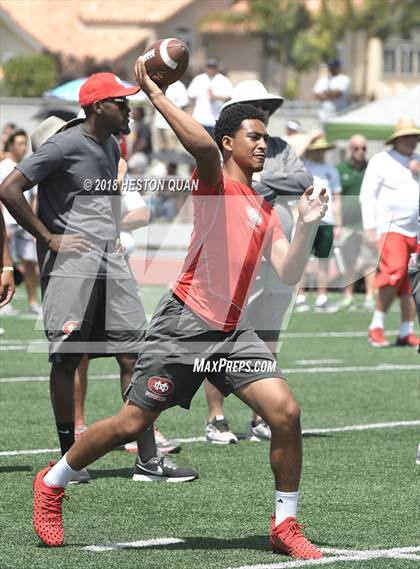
[160, 385]
[70, 327]
[255, 218]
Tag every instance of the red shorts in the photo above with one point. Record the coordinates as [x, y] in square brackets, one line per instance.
[395, 250]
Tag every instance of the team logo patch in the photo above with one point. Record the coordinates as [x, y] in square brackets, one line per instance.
[255, 218]
[160, 385]
[70, 326]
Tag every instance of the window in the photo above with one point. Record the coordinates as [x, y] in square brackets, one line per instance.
[401, 58]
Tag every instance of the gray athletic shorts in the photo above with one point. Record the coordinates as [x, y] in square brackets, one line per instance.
[180, 350]
[22, 244]
[98, 317]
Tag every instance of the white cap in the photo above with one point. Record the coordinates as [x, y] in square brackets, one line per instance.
[293, 125]
[251, 91]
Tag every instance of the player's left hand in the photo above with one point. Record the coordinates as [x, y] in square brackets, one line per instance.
[7, 287]
[312, 209]
[148, 86]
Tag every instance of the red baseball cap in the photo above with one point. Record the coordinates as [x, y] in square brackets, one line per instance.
[100, 86]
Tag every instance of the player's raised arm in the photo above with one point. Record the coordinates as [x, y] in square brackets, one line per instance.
[193, 137]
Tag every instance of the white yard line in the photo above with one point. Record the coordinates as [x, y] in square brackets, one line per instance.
[354, 369]
[134, 544]
[309, 370]
[317, 362]
[409, 553]
[349, 428]
[35, 344]
[45, 378]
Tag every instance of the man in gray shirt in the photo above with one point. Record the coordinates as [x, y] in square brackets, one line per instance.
[284, 178]
[90, 300]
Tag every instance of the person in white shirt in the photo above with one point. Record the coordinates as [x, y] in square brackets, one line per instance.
[333, 91]
[207, 92]
[325, 176]
[21, 243]
[165, 137]
[389, 200]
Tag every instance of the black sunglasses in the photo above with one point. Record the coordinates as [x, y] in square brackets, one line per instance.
[121, 102]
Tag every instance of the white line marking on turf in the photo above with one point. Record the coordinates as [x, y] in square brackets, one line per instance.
[362, 427]
[45, 378]
[347, 369]
[313, 335]
[27, 452]
[134, 544]
[346, 429]
[353, 369]
[317, 362]
[344, 555]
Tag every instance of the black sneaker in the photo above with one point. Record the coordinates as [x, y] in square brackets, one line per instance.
[161, 469]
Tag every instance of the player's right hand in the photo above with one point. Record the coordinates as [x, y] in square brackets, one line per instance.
[148, 86]
[74, 243]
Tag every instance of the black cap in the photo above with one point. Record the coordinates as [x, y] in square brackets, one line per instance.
[212, 62]
[334, 62]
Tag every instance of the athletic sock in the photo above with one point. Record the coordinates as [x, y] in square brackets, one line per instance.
[60, 474]
[378, 320]
[286, 505]
[406, 328]
[65, 433]
[146, 445]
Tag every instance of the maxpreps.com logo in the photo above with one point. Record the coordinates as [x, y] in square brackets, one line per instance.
[160, 388]
[255, 219]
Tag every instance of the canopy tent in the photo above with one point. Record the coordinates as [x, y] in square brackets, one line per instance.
[70, 91]
[376, 120]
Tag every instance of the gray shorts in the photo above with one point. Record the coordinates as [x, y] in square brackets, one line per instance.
[22, 244]
[180, 350]
[98, 317]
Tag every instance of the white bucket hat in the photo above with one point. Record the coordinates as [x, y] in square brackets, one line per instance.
[48, 128]
[251, 91]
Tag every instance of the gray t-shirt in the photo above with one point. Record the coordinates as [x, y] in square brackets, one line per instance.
[78, 193]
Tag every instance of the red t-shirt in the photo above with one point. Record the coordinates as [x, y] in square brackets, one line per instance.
[232, 227]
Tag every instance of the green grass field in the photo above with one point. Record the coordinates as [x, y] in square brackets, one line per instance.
[358, 493]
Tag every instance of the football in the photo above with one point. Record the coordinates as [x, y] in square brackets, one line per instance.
[166, 61]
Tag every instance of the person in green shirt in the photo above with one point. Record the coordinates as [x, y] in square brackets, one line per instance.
[353, 245]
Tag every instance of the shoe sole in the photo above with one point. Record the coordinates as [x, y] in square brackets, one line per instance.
[170, 450]
[231, 442]
[153, 478]
[379, 344]
[84, 481]
[255, 439]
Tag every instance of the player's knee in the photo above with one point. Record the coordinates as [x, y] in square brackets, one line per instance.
[129, 424]
[286, 414]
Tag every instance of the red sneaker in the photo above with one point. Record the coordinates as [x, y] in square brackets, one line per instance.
[377, 338]
[48, 502]
[410, 340]
[288, 538]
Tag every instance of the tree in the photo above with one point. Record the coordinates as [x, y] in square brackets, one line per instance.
[29, 76]
[277, 22]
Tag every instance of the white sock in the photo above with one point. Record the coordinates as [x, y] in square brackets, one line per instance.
[321, 299]
[60, 474]
[378, 320]
[406, 328]
[286, 505]
[300, 299]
